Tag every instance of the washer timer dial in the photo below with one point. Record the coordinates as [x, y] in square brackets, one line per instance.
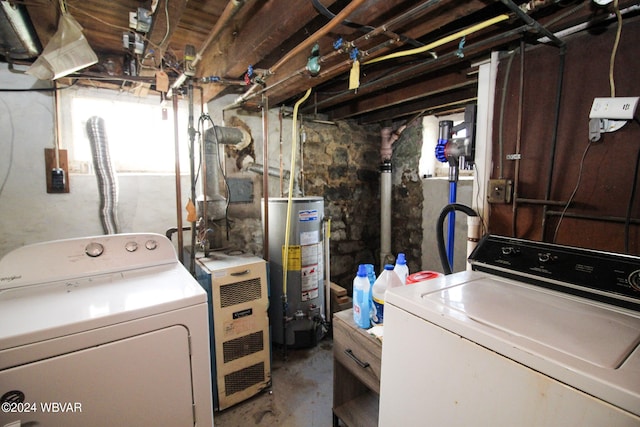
[634, 280]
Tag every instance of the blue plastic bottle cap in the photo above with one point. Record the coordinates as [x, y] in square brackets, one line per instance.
[388, 267]
[401, 259]
[362, 270]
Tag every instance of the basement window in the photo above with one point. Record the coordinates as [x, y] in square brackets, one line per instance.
[140, 135]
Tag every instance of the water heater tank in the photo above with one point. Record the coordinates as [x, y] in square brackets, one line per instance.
[304, 308]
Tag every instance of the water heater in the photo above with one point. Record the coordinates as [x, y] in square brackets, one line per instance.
[297, 319]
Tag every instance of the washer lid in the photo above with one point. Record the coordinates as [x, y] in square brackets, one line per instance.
[593, 333]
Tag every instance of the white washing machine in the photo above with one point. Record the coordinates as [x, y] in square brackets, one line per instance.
[538, 335]
[102, 331]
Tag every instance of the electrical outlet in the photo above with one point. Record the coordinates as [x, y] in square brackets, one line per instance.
[619, 108]
[499, 191]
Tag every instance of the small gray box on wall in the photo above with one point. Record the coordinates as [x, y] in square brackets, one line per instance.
[240, 190]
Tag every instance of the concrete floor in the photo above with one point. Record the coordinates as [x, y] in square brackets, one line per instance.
[301, 394]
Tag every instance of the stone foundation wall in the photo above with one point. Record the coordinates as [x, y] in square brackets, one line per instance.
[407, 197]
[341, 164]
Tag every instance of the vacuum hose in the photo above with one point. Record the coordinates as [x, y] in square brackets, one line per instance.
[107, 184]
[442, 251]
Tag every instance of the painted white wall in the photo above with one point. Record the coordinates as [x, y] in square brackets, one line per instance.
[436, 196]
[147, 203]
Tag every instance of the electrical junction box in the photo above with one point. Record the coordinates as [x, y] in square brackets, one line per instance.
[240, 190]
[500, 191]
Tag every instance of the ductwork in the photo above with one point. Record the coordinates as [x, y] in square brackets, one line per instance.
[107, 184]
[212, 202]
[18, 39]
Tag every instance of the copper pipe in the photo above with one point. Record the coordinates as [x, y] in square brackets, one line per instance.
[265, 175]
[232, 8]
[308, 42]
[176, 136]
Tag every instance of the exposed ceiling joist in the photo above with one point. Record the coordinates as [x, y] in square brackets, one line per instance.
[276, 38]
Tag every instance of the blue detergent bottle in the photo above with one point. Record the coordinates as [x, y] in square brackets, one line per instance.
[361, 298]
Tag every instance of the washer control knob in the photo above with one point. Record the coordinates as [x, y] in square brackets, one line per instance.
[94, 249]
[151, 244]
[544, 256]
[131, 246]
[634, 280]
[510, 251]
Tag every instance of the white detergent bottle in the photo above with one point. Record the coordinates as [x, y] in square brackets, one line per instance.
[387, 279]
[401, 268]
[361, 298]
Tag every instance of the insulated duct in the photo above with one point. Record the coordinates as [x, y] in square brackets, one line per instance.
[18, 39]
[215, 202]
[107, 184]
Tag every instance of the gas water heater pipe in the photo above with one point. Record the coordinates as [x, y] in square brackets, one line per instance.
[287, 230]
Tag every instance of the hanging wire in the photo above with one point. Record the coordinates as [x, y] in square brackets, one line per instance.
[632, 198]
[612, 60]
[573, 194]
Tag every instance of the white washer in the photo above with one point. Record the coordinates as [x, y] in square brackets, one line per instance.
[473, 348]
[103, 331]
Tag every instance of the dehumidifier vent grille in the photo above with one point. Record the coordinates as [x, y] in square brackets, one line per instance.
[240, 292]
[244, 378]
[243, 346]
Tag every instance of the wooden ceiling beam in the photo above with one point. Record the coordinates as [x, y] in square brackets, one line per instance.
[230, 56]
[431, 105]
[409, 92]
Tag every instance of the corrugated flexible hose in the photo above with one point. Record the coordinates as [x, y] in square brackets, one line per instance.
[107, 183]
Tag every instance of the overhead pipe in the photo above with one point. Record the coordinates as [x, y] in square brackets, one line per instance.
[416, 69]
[230, 11]
[532, 22]
[382, 29]
[444, 40]
[306, 44]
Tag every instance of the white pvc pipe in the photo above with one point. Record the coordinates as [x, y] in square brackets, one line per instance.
[385, 214]
[327, 269]
[473, 235]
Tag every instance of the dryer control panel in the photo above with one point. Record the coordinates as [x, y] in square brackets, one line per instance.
[84, 257]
